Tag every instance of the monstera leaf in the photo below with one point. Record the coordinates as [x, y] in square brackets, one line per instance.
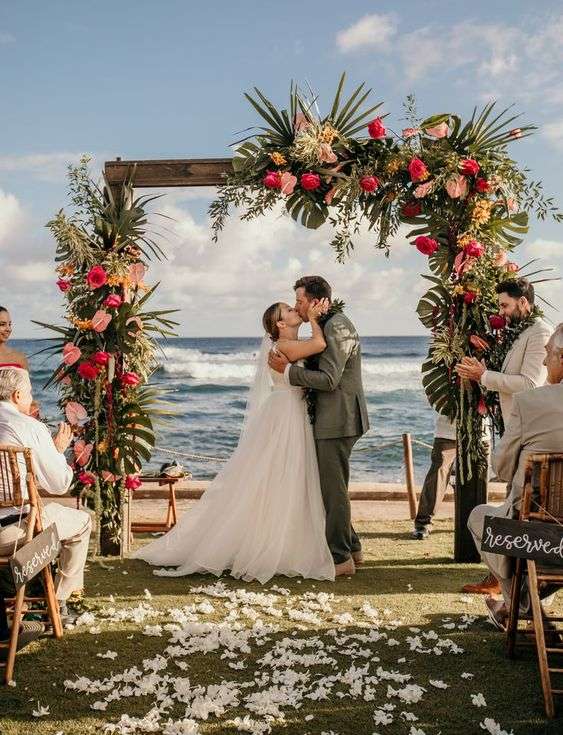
[311, 213]
[433, 307]
[437, 383]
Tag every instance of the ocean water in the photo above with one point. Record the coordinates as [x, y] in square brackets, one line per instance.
[208, 378]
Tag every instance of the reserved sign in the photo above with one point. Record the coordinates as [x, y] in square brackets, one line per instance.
[525, 539]
[28, 561]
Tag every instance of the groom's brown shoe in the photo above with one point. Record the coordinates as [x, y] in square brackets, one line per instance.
[489, 586]
[345, 568]
[358, 558]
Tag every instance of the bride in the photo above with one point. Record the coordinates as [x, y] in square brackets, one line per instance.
[263, 513]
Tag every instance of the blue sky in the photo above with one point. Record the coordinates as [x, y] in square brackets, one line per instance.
[164, 80]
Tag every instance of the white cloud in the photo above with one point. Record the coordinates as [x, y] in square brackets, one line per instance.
[371, 31]
[541, 248]
[42, 166]
[554, 132]
[6, 38]
[11, 215]
[38, 271]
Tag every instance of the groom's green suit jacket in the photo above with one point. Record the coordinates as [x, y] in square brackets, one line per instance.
[341, 405]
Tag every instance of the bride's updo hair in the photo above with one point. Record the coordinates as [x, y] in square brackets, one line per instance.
[272, 316]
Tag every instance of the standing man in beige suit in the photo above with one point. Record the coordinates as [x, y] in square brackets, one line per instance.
[535, 425]
[522, 369]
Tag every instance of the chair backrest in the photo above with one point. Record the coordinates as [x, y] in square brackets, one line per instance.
[543, 490]
[11, 486]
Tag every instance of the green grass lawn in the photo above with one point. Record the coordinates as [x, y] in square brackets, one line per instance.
[411, 584]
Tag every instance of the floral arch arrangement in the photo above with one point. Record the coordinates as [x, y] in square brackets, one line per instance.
[453, 184]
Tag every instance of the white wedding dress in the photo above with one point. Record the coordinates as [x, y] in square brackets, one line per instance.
[263, 513]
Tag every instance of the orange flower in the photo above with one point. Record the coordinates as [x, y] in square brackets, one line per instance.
[278, 159]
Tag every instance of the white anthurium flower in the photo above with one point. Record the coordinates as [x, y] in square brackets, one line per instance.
[478, 700]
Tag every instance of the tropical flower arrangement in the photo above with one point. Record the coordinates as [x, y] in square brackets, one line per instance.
[107, 350]
[455, 187]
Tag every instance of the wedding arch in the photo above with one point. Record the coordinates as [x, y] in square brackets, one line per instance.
[466, 203]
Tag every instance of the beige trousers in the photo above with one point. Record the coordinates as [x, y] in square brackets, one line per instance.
[74, 527]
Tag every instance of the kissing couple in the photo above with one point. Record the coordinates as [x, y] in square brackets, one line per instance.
[280, 504]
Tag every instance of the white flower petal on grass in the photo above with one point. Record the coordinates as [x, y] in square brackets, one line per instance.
[467, 675]
[409, 716]
[95, 630]
[416, 731]
[493, 727]
[382, 718]
[153, 630]
[478, 700]
[41, 711]
[439, 684]
[181, 727]
[99, 705]
[108, 654]
[148, 595]
[308, 718]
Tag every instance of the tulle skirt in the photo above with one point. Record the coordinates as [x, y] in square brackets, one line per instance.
[263, 514]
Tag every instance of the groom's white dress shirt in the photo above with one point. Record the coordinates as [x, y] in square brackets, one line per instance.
[51, 469]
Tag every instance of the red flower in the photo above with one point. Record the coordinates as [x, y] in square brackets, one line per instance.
[376, 129]
[469, 166]
[369, 183]
[63, 285]
[97, 276]
[129, 379]
[272, 180]
[426, 245]
[88, 371]
[310, 182]
[474, 249]
[411, 209]
[87, 478]
[132, 482]
[482, 407]
[482, 185]
[469, 297]
[417, 170]
[497, 322]
[100, 358]
[113, 301]
[479, 343]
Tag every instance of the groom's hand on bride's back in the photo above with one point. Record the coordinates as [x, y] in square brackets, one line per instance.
[277, 361]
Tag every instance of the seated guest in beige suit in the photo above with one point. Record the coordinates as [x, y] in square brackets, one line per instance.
[535, 425]
[522, 369]
[53, 474]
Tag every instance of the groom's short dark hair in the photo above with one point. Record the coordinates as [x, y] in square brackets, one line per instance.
[315, 287]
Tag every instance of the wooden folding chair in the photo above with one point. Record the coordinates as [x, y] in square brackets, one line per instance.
[542, 501]
[11, 496]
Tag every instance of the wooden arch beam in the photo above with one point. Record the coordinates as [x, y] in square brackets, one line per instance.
[165, 173]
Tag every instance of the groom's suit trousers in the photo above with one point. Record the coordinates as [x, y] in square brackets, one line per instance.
[334, 468]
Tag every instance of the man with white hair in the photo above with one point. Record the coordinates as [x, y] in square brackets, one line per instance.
[53, 475]
[535, 426]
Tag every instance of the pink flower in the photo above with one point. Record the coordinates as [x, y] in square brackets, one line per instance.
[482, 186]
[376, 129]
[426, 245]
[113, 301]
[417, 170]
[71, 353]
[137, 322]
[423, 189]
[301, 122]
[469, 297]
[272, 180]
[501, 258]
[512, 204]
[482, 407]
[100, 358]
[329, 196]
[87, 371]
[369, 183]
[137, 272]
[469, 166]
[497, 322]
[63, 284]
[456, 186]
[474, 249]
[512, 267]
[82, 452]
[87, 478]
[129, 379]
[326, 154]
[65, 380]
[100, 321]
[438, 131]
[310, 181]
[132, 482]
[410, 132]
[75, 413]
[515, 133]
[109, 476]
[288, 182]
[97, 276]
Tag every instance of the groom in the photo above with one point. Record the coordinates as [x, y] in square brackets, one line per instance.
[340, 417]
